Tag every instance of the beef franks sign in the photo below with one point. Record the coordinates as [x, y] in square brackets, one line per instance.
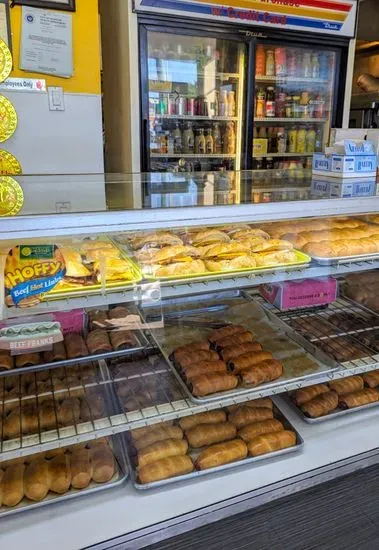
[335, 17]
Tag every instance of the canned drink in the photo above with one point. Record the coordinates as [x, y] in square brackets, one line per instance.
[191, 106]
[172, 105]
[181, 105]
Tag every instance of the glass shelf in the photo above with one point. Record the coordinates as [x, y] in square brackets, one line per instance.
[202, 75]
[195, 117]
[193, 156]
[284, 155]
[291, 79]
[291, 120]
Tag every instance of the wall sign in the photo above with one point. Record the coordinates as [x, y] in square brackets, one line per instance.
[335, 17]
[67, 5]
[46, 42]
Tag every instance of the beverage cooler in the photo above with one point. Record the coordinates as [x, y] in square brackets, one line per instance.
[238, 88]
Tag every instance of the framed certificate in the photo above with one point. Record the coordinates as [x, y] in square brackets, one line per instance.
[67, 5]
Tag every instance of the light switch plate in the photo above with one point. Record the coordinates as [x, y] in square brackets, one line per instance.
[56, 98]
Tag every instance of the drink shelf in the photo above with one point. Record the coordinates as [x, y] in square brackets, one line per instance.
[192, 156]
[299, 120]
[291, 79]
[284, 155]
[195, 117]
[199, 74]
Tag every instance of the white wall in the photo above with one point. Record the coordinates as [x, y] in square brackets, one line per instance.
[57, 142]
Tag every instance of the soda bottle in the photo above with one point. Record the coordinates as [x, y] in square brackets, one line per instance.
[301, 140]
[270, 102]
[280, 62]
[260, 61]
[270, 63]
[307, 65]
[292, 140]
[315, 65]
[217, 141]
[280, 104]
[261, 103]
[310, 140]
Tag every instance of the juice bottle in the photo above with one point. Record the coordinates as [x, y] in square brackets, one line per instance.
[260, 61]
[229, 139]
[270, 102]
[261, 103]
[209, 142]
[231, 104]
[217, 141]
[292, 140]
[301, 140]
[200, 142]
[270, 63]
[310, 140]
[223, 104]
[188, 139]
[280, 62]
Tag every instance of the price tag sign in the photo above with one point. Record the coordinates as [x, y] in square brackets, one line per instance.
[21, 338]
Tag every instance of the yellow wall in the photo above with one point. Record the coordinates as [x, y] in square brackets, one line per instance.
[86, 46]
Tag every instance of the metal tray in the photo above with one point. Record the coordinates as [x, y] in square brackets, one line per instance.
[119, 478]
[239, 390]
[345, 259]
[245, 462]
[331, 416]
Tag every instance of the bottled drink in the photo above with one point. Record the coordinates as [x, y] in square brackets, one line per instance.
[270, 63]
[177, 140]
[180, 105]
[188, 139]
[214, 111]
[324, 66]
[261, 103]
[319, 111]
[259, 163]
[270, 102]
[301, 140]
[310, 140]
[191, 106]
[269, 163]
[281, 141]
[231, 104]
[260, 61]
[307, 65]
[280, 104]
[163, 104]
[200, 142]
[296, 106]
[318, 141]
[315, 65]
[292, 140]
[291, 63]
[162, 143]
[209, 142]
[289, 107]
[230, 139]
[271, 143]
[304, 105]
[217, 141]
[223, 104]
[280, 62]
[170, 143]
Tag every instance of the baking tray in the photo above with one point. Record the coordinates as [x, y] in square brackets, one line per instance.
[120, 476]
[192, 332]
[303, 261]
[143, 344]
[345, 259]
[331, 416]
[201, 473]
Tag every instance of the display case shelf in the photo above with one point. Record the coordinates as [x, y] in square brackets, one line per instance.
[196, 117]
[285, 155]
[284, 79]
[291, 120]
[192, 156]
[199, 74]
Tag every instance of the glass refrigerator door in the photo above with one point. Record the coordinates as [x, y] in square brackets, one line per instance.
[195, 89]
[293, 107]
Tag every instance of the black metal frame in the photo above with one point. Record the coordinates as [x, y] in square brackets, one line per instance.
[251, 36]
[48, 4]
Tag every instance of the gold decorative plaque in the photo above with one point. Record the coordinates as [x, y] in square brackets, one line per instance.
[9, 165]
[8, 119]
[11, 196]
[6, 61]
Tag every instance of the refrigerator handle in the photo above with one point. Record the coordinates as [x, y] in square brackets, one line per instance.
[144, 145]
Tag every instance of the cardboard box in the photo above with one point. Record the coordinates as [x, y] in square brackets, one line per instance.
[344, 165]
[325, 187]
[260, 147]
[300, 294]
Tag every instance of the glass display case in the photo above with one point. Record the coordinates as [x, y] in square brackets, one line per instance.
[189, 354]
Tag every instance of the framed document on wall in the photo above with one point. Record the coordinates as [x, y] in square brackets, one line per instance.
[67, 5]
